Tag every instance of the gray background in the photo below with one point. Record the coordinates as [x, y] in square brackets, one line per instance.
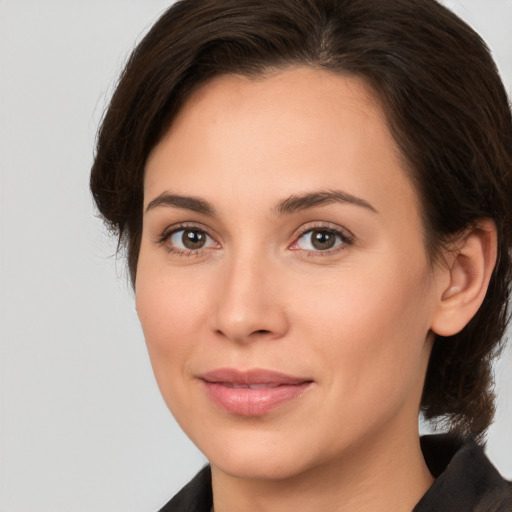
[82, 425]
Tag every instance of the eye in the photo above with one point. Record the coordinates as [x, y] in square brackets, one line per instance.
[321, 240]
[187, 241]
[190, 239]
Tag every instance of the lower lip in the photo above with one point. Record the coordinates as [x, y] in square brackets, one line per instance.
[253, 402]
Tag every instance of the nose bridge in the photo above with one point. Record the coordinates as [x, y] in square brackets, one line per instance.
[247, 305]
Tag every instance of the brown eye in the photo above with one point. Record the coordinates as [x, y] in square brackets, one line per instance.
[189, 239]
[193, 239]
[321, 240]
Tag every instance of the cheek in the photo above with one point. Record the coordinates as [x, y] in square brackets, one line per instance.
[165, 312]
[169, 302]
[169, 312]
[371, 327]
[167, 333]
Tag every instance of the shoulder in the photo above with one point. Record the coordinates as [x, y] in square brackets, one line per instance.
[466, 481]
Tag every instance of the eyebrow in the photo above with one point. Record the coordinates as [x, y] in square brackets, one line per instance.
[186, 202]
[292, 204]
[296, 203]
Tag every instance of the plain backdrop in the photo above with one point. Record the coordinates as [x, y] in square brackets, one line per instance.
[82, 424]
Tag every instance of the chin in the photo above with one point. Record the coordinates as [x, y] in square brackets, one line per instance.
[257, 466]
[256, 455]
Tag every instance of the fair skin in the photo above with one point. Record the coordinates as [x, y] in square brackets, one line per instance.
[336, 293]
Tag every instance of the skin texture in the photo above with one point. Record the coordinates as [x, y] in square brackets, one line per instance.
[355, 320]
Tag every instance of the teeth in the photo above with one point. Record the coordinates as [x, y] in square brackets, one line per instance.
[249, 386]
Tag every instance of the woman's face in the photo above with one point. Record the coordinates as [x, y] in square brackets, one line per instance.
[283, 286]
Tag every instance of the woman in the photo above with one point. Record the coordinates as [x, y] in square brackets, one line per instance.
[314, 197]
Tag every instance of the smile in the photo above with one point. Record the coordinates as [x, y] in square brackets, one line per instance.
[253, 392]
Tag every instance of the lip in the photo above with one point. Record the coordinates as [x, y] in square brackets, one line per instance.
[253, 392]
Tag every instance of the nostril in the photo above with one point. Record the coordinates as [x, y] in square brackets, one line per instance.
[259, 332]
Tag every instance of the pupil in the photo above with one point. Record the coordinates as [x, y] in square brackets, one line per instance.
[193, 239]
[323, 240]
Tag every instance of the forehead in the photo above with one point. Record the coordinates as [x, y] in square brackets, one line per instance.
[283, 85]
[298, 92]
[300, 128]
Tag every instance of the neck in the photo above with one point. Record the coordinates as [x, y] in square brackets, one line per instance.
[389, 474]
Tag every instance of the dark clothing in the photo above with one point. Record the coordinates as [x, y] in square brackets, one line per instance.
[465, 482]
[196, 496]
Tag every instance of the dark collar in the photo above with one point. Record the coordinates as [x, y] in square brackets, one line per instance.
[465, 482]
[196, 496]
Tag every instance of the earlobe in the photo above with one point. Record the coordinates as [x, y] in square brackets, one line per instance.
[467, 274]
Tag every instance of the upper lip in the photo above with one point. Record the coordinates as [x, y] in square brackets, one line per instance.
[251, 377]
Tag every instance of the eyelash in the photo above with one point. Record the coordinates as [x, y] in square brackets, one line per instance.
[169, 232]
[343, 236]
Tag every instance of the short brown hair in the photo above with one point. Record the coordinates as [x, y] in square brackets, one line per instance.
[444, 102]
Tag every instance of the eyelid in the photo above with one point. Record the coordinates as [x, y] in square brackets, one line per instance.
[173, 228]
[345, 235]
[347, 238]
[169, 231]
[327, 226]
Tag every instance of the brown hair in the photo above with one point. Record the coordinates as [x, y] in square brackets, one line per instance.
[445, 105]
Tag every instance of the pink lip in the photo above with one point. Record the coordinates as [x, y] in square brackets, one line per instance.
[251, 392]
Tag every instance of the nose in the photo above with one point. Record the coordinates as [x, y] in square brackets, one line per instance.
[248, 303]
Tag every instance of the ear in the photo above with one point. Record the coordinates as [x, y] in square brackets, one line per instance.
[465, 278]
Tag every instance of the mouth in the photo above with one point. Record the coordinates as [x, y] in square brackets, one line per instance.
[252, 392]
